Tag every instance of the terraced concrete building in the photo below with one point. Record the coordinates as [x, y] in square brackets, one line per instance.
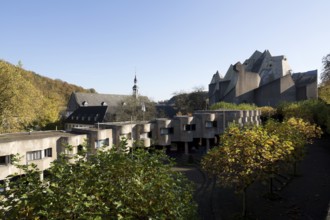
[181, 133]
[264, 80]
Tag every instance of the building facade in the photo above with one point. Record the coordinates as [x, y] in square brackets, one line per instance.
[202, 129]
[264, 80]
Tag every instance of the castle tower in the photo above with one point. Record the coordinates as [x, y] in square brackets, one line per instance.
[135, 88]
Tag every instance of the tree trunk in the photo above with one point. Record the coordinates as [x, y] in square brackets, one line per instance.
[271, 186]
[295, 169]
[244, 204]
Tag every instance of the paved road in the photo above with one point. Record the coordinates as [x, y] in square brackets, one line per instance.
[306, 196]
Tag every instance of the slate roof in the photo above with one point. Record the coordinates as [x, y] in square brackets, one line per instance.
[216, 78]
[258, 63]
[231, 77]
[87, 115]
[305, 78]
[95, 99]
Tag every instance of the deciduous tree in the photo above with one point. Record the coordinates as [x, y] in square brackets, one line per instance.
[325, 75]
[298, 132]
[134, 109]
[20, 101]
[108, 185]
[246, 154]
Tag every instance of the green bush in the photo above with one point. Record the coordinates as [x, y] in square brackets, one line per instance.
[109, 185]
[233, 106]
[312, 110]
[267, 112]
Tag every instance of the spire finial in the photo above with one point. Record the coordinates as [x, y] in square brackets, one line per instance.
[135, 87]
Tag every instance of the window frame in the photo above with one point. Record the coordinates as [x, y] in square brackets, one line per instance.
[34, 155]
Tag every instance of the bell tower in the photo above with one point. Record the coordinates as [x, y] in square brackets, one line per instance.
[135, 88]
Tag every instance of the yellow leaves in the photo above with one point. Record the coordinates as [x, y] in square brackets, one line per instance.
[249, 153]
[231, 160]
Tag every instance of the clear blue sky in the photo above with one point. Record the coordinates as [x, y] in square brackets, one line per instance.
[174, 45]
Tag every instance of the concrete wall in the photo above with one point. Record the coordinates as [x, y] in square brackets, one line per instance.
[96, 138]
[184, 130]
[71, 126]
[247, 81]
[26, 143]
[263, 80]
[312, 91]
[131, 131]
[268, 95]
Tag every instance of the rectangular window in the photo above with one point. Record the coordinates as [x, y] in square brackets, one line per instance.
[211, 124]
[191, 127]
[102, 143]
[34, 155]
[166, 131]
[48, 152]
[5, 160]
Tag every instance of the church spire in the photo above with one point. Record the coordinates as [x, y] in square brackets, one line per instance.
[135, 88]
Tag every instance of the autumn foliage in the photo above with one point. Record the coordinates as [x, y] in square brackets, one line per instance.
[30, 101]
[248, 154]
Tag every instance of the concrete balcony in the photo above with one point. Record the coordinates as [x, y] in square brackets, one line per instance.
[146, 142]
[126, 128]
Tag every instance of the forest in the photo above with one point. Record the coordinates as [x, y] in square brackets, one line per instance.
[30, 101]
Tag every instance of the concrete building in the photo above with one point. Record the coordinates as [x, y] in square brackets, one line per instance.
[131, 131]
[184, 133]
[40, 148]
[264, 80]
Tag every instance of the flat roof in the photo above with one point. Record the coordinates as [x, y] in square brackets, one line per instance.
[124, 123]
[4, 138]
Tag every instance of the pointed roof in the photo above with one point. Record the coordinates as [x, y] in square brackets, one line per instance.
[258, 63]
[216, 78]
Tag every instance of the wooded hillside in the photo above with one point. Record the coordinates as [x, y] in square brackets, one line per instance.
[31, 101]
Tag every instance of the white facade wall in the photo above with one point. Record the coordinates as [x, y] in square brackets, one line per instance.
[38, 149]
[162, 132]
